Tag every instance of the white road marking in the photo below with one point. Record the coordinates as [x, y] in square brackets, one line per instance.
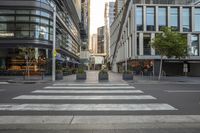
[86, 84]
[93, 97]
[4, 83]
[183, 91]
[35, 119]
[88, 91]
[86, 107]
[84, 87]
[116, 119]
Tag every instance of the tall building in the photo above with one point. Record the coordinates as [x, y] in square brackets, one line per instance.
[100, 40]
[111, 12]
[118, 6]
[138, 23]
[29, 24]
[94, 44]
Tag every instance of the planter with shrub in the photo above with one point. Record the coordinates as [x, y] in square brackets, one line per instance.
[128, 75]
[81, 74]
[103, 75]
[66, 71]
[59, 75]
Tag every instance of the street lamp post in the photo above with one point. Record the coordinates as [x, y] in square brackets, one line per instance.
[54, 42]
[54, 46]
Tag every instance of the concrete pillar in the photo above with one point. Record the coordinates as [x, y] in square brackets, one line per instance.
[152, 49]
[156, 18]
[168, 17]
[193, 18]
[181, 18]
[141, 41]
[144, 18]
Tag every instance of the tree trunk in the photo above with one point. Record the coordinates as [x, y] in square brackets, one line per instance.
[160, 72]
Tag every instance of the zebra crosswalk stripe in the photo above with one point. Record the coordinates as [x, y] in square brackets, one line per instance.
[89, 87]
[88, 91]
[86, 107]
[80, 97]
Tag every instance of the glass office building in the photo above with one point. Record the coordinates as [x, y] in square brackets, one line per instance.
[143, 20]
[29, 24]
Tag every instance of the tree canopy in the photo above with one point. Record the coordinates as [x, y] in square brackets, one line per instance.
[170, 43]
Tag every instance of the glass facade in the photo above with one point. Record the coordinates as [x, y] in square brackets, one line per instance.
[174, 18]
[150, 18]
[139, 18]
[28, 24]
[147, 46]
[162, 17]
[186, 20]
[194, 48]
[197, 19]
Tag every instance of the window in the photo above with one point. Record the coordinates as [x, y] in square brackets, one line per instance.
[21, 27]
[44, 21]
[150, 18]
[138, 44]
[194, 48]
[174, 18]
[35, 12]
[6, 18]
[147, 46]
[162, 17]
[139, 18]
[22, 11]
[197, 19]
[35, 19]
[45, 14]
[7, 11]
[186, 20]
[6, 27]
[34, 27]
[22, 34]
[22, 18]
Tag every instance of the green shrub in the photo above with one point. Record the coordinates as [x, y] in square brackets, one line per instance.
[80, 71]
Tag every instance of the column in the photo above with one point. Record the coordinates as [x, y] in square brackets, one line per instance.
[141, 41]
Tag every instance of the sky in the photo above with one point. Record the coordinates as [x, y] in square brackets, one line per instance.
[97, 14]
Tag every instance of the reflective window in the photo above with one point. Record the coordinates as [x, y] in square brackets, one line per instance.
[35, 12]
[174, 18]
[186, 20]
[44, 21]
[45, 14]
[150, 18]
[194, 48]
[22, 18]
[22, 12]
[6, 18]
[147, 46]
[34, 27]
[22, 27]
[22, 34]
[7, 27]
[139, 18]
[197, 19]
[162, 17]
[35, 19]
[7, 11]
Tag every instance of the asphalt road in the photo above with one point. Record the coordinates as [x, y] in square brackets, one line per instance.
[170, 100]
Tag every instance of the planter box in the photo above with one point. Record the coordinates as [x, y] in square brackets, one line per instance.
[103, 76]
[59, 76]
[127, 76]
[81, 76]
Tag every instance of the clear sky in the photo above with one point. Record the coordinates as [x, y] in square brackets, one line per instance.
[97, 14]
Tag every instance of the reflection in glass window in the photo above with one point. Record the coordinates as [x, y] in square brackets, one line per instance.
[174, 18]
[22, 11]
[147, 46]
[44, 32]
[194, 48]
[162, 17]
[186, 19]
[45, 14]
[34, 27]
[34, 34]
[44, 21]
[197, 19]
[22, 18]
[6, 27]
[35, 12]
[6, 18]
[35, 19]
[22, 27]
[7, 11]
[150, 18]
[139, 18]
[22, 34]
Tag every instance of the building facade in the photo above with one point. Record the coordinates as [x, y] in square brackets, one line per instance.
[111, 12]
[94, 44]
[29, 24]
[130, 41]
[100, 40]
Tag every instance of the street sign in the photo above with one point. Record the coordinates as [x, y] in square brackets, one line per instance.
[54, 53]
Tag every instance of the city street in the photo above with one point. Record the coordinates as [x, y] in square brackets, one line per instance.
[92, 106]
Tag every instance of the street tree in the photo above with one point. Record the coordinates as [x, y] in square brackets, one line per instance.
[171, 44]
[29, 55]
